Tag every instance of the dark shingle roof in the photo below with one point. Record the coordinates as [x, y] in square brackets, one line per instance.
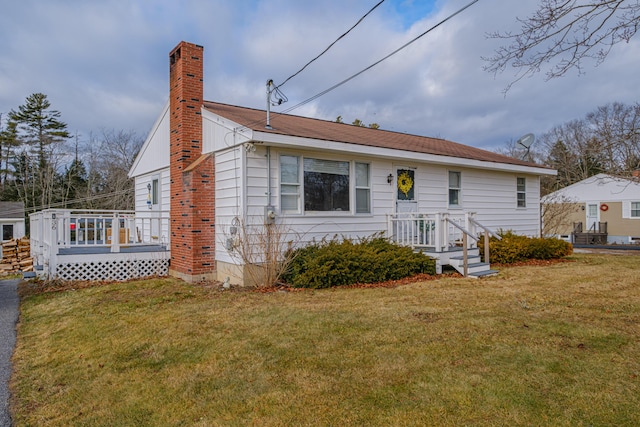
[285, 124]
[11, 210]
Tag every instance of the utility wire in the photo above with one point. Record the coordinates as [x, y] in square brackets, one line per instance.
[83, 199]
[324, 92]
[331, 45]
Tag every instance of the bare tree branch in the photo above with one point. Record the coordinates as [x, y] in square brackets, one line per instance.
[562, 34]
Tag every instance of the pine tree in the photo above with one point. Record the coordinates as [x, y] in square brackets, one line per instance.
[41, 130]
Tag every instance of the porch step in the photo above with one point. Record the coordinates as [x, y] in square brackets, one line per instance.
[475, 267]
[484, 273]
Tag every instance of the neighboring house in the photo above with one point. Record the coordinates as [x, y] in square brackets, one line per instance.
[12, 222]
[599, 209]
[217, 167]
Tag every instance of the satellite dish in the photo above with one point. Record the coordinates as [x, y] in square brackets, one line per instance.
[526, 140]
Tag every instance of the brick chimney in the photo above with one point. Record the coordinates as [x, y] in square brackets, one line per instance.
[192, 173]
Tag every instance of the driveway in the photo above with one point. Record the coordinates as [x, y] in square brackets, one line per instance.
[8, 320]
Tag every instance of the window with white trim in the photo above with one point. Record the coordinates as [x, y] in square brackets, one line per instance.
[363, 188]
[320, 185]
[7, 231]
[635, 209]
[455, 181]
[155, 191]
[289, 184]
[521, 192]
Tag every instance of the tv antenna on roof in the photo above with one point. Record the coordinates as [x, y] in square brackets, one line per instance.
[526, 141]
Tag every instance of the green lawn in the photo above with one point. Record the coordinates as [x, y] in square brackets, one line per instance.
[538, 345]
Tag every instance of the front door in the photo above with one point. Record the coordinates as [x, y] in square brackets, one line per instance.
[154, 198]
[592, 217]
[406, 230]
[406, 190]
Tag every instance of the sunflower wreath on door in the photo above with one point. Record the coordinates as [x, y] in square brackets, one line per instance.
[406, 184]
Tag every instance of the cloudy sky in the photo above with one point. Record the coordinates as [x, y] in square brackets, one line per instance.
[104, 63]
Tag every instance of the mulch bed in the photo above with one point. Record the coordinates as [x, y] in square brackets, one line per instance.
[26, 288]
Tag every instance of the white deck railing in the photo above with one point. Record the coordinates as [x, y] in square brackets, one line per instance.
[432, 231]
[55, 229]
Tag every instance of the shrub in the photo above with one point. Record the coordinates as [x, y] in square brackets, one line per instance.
[515, 248]
[345, 262]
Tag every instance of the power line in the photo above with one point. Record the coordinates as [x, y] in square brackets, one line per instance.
[331, 45]
[66, 202]
[324, 92]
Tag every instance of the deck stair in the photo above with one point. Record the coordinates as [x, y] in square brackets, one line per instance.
[449, 239]
[475, 268]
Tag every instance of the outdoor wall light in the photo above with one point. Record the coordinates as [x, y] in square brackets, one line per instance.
[149, 196]
[390, 179]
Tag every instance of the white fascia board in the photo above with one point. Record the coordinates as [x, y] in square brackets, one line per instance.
[132, 172]
[388, 153]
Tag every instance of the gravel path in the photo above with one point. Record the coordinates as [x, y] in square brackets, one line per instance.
[8, 319]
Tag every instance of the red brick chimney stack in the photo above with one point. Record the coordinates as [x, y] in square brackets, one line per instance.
[192, 174]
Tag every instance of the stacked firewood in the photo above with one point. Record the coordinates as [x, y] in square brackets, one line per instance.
[16, 256]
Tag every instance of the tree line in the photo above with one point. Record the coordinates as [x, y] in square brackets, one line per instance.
[606, 140]
[43, 165]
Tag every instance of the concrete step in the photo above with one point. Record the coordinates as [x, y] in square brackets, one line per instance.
[485, 273]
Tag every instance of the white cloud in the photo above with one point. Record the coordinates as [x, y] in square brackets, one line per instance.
[105, 64]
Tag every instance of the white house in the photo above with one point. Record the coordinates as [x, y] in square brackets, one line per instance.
[216, 167]
[12, 220]
[601, 206]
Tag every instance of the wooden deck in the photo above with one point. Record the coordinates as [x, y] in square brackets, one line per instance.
[596, 235]
[100, 245]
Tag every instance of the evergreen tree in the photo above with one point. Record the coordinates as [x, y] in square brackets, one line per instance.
[41, 130]
[8, 142]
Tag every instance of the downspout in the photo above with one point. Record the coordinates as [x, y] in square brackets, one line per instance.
[268, 176]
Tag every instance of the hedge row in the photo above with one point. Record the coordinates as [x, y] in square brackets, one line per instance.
[346, 262]
[514, 248]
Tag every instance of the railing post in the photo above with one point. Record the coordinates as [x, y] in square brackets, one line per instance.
[438, 232]
[445, 231]
[53, 246]
[465, 254]
[486, 246]
[115, 233]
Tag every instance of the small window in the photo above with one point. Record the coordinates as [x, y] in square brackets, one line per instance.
[521, 192]
[7, 231]
[363, 188]
[154, 191]
[454, 188]
[289, 184]
[635, 209]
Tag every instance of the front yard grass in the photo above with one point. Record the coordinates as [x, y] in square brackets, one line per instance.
[536, 345]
